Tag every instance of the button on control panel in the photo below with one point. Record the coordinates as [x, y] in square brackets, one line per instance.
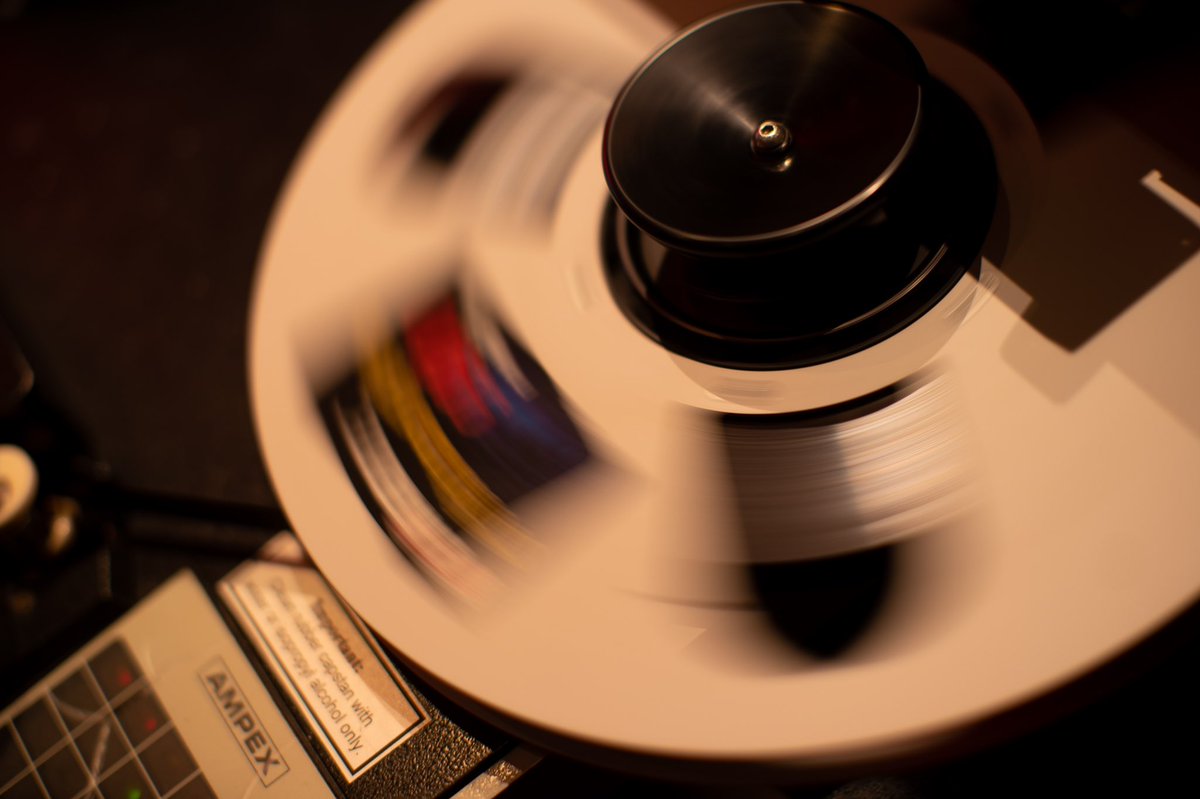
[128, 716]
[99, 731]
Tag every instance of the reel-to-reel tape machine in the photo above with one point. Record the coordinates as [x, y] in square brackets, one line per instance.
[807, 395]
[595, 452]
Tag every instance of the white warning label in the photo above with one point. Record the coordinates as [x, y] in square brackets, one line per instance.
[355, 702]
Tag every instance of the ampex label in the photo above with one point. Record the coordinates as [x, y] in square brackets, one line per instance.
[256, 744]
[353, 700]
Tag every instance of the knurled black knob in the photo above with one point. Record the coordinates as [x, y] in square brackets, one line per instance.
[762, 125]
[791, 186]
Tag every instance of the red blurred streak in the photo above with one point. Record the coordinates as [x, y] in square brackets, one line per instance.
[452, 372]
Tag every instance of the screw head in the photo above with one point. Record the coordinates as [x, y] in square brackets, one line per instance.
[771, 138]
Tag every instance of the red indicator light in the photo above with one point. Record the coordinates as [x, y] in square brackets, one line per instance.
[151, 724]
[124, 677]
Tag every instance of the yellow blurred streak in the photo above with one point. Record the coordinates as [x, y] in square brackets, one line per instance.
[396, 393]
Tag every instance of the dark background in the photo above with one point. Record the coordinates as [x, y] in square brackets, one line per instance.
[142, 145]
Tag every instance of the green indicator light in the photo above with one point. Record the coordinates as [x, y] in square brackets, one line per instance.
[133, 793]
